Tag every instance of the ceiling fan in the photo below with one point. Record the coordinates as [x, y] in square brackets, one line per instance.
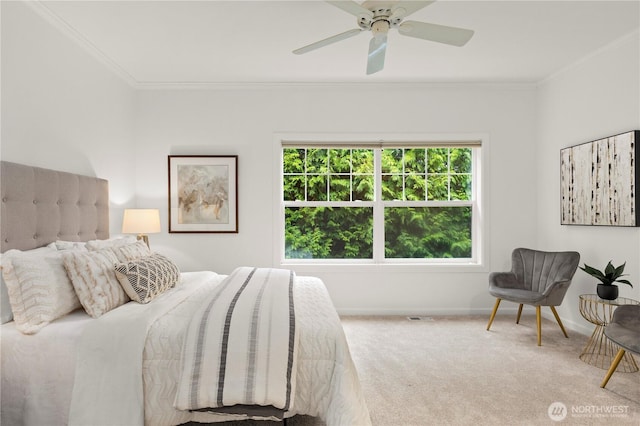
[380, 16]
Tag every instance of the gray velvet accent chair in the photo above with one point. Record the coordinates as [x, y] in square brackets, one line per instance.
[624, 331]
[537, 278]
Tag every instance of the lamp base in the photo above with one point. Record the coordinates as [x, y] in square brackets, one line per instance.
[144, 238]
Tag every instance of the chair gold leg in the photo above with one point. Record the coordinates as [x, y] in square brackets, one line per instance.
[539, 325]
[555, 314]
[493, 314]
[519, 314]
[614, 365]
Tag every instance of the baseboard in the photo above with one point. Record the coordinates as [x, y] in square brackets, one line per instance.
[584, 329]
[424, 312]
[570, 325]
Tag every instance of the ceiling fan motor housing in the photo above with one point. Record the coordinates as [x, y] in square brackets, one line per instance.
[383, 18]
[379, 15]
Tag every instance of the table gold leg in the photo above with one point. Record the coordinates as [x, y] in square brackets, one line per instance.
[599, 351]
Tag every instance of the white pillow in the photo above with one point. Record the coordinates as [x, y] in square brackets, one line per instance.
[6, 314]
[67, 245]
[93, 277]
[145, 278]
[38, 287]
[110, 243]
[128, 252]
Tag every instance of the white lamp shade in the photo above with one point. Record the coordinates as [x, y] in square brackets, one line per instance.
[141, 221]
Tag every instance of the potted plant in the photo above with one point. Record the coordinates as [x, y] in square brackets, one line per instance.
[606, 288]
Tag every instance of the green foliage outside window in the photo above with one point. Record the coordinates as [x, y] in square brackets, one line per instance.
[329, 233]
[427, 232]
[347, 175]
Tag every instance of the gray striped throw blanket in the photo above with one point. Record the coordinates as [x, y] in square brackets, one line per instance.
[239, 354]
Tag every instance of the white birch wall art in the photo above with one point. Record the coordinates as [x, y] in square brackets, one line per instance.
[598, 182]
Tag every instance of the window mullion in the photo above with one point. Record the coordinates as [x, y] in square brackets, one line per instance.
[306, 176]
[328, 173]
[378, 208]
[404, 175]
[448, 174]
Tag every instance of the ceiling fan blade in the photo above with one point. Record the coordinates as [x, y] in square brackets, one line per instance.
[377, 50]
[353, 8]
[327, 41]
[434, 32]
[405, 8]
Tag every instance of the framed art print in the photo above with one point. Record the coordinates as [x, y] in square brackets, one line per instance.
[203, 193]
[598, 182]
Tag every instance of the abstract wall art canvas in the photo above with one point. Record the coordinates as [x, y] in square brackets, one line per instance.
[598, 182]
[203, 193]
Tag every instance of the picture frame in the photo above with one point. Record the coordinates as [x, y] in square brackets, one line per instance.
[599, 180]
[203, 193]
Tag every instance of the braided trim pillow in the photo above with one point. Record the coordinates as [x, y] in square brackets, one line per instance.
[95, 282]
[145, 278]
[38, 288]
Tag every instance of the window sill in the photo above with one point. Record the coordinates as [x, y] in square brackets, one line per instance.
[357, 267]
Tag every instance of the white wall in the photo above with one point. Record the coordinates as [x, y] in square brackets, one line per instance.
[595, 98]
[63, 109]
[243, 121]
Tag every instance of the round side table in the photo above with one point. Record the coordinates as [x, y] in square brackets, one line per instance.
[600, 351]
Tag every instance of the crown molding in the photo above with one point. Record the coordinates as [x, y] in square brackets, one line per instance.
[63, 26]
[633, 35]
[331, 85]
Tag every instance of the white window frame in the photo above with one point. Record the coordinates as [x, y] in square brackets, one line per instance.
[479, 256]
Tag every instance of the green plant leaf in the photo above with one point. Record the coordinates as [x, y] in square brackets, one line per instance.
[611, 273]
[625, 282]
[593, 272]
[609, 270]
[619, 270]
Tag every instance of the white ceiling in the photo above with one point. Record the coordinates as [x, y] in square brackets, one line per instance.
[153, 42]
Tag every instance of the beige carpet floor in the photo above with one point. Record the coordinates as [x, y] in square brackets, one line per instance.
[450, 371]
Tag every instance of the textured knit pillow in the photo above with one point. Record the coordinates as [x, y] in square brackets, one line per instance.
[38, 288]
[147, 277]
[128, 252]
[94, 279]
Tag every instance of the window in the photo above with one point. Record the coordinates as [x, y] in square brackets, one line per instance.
[380, 203]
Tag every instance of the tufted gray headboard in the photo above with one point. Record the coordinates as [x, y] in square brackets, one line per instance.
[40, 206]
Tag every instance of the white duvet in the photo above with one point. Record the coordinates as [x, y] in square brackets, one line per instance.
[38, 371]
[145, 386]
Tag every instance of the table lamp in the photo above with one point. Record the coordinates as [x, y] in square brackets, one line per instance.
[141, 222]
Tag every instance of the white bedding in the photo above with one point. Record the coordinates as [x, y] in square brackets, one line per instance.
[38, 371]
[327, 382]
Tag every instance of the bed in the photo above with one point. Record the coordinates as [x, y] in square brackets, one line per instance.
[125, 364]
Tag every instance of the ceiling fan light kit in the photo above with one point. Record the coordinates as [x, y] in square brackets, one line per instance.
[381, 16]
[380, 28]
